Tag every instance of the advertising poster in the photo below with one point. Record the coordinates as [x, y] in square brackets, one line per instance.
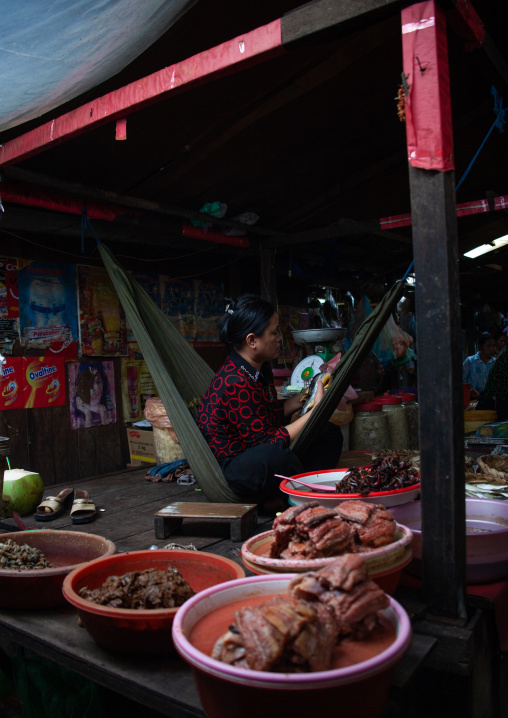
[48, 315]
[150, 283]
[91, 393]
[101, 317]
[177, 301]
[137, 387]
[8, 305]
[12, 381]
[44, 381]
[209, 309]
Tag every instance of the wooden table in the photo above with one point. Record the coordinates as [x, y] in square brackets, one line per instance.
[127, 504]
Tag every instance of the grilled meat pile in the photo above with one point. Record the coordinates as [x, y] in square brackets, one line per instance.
[299, 633]
[141, 589]
[311, 531]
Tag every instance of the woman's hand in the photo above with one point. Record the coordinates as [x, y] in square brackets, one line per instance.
[294, 403]
[296, 426]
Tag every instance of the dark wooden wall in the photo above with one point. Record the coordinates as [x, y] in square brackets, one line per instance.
[43, 440]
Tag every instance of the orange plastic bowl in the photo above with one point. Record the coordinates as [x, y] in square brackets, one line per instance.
[42, 587]
[145, 631]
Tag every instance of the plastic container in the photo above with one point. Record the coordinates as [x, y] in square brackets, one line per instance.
[299, 494]
[397, 421]
[369, 428]
[411, 407]
[474, 419]
[486, 538]
[141, 631]
[384, 564]
[42, 588]
[225, 691]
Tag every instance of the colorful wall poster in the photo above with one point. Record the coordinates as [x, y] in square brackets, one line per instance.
[209, 305]
[12, 381]
[44, 381]
[137, 387]
[150, 283]
[177, 301]
[91, 393]
[101, 317]
[48, 314]
[9, 311]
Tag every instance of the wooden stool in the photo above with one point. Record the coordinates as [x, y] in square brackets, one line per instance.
[242, 517]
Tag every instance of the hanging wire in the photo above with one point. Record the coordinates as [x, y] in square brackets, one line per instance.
[499, 122]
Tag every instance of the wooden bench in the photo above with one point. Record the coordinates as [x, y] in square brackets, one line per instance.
[242, 518]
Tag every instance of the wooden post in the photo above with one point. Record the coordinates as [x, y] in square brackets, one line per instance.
[435, 242]
[268, 288]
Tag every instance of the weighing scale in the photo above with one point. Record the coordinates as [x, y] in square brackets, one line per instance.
[318, 339]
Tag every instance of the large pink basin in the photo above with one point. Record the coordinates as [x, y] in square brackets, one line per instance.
[486, 538]
[359, 690]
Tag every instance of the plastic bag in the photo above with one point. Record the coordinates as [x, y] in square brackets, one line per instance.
[498, 430]
[157, 415]
[400, 340]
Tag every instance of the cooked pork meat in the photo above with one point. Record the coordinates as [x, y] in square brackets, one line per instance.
[283, 635]
[346, 588]
[375, 525]
[298, 633]
[312, 531]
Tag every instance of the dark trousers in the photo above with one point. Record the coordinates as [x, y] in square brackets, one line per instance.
[251, 474]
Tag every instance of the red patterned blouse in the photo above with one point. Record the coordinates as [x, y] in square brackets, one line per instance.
[240, 409]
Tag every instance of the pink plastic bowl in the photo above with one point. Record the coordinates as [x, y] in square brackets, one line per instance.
[360, 690]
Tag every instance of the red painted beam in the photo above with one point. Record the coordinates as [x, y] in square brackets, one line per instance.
[478, 206]
[429, 132]
[35, 197]
[252, 48]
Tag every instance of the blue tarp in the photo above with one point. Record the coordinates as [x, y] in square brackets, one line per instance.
[52, 51]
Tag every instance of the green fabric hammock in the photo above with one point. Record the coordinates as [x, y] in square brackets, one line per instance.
[182, 376]
[179, 373]
[346, 369]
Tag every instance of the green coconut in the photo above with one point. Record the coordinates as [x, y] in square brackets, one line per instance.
[22, 492]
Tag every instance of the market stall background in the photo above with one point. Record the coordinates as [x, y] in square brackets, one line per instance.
[287, 174]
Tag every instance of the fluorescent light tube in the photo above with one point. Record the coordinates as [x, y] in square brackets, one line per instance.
[484, 248]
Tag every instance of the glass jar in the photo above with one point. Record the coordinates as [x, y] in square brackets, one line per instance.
[4, 452]
[411, 407]
[397, 421]
[369, 428]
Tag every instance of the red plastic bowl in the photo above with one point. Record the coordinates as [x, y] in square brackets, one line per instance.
[42, 588]
[331, 476]
[142, 630]
[359, 690]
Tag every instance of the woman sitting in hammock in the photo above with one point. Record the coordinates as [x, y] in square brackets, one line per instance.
[245, 425]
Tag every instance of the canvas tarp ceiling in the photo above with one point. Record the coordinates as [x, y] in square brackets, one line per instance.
[51, 52]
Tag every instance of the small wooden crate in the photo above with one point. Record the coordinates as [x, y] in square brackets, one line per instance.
[242, 518]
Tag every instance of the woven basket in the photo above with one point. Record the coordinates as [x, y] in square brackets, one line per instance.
[496, 466]
[472, 478]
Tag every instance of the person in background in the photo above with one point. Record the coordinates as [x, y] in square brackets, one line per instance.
[248, 429]
[495, 394]
[476, 368]
[501, 341]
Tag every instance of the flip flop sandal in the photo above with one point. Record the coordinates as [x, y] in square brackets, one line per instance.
[53, 506]
[83, 508]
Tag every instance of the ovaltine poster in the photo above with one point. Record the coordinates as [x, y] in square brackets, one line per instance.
[48, 310]
[44, 381]
[12, 381]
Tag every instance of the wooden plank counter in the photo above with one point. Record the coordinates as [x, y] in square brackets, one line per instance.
[162, 685]
[126, 506]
